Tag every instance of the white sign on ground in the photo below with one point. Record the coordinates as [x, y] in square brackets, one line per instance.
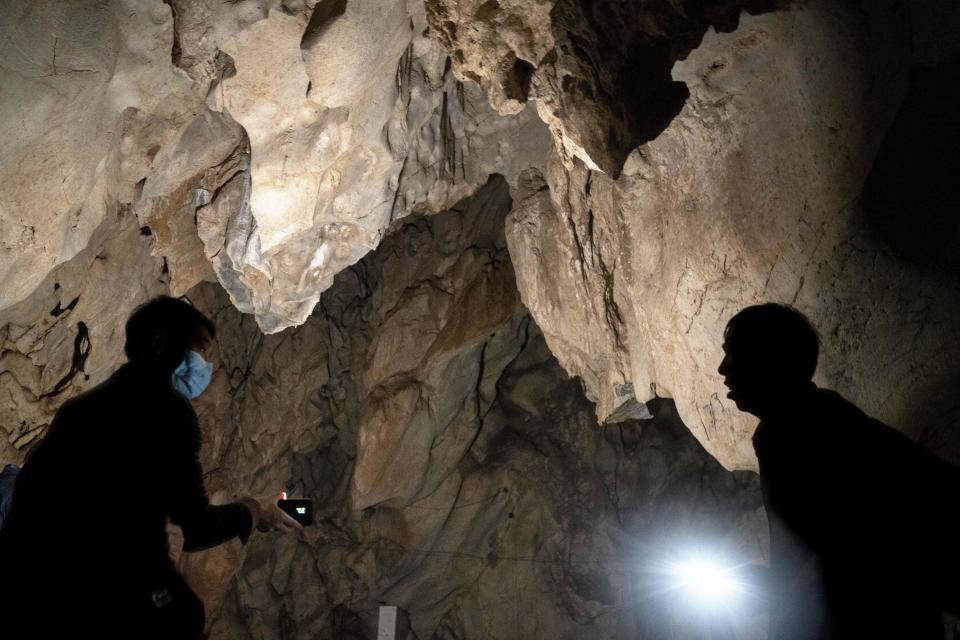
[388, 624]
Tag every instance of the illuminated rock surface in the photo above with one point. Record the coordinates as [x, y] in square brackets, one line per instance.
[614, 186]
[456, 468]
[751, 194]
[317, 139]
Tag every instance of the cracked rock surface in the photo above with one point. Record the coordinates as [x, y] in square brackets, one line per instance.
[271, 142]
[751, 195]
[413, 220]
[458, 472]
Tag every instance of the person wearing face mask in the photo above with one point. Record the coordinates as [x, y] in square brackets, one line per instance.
[113, 490]
[862, 534]
[192, 376]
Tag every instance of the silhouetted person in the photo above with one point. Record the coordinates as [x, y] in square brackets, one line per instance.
[84, 551]
[860, 516]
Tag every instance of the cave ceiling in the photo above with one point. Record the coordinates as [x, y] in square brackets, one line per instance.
[667, 162]
[470, 263]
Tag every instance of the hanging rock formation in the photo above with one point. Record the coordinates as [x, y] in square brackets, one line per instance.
[598, 71]
[459, 473]
[751, 194]
[79, 80]
[414, 220]
[300, 129]
[267, 146]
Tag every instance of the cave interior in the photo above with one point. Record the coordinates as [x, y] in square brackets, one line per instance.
[470, 263]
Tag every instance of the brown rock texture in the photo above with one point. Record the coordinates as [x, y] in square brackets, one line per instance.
[458, 472]
[600, 72]
[471, 261]
[68, 335]
[298, 139]
[753, 193]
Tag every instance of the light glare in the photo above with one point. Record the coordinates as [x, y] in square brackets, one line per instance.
[707, 583]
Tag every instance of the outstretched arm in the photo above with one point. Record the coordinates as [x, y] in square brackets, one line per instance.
[204, 525]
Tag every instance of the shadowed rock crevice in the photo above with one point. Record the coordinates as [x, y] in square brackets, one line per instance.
[324, 12]
[600, 71]
[457, 470]
[912, 196]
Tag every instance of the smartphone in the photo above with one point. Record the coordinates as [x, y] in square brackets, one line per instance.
[299, 510]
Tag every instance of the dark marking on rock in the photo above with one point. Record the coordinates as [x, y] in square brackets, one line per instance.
[81, 351]
[176, 52]
[58, 310]
[324, 13]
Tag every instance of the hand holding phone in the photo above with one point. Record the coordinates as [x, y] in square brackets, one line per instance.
[299, 510]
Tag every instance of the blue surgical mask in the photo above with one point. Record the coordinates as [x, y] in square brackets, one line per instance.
[192, 375]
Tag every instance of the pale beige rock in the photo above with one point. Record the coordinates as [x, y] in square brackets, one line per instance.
[186, 175]
[68, 335]
[345, 138]
[73, 76]
[598, 71]
[749, 195]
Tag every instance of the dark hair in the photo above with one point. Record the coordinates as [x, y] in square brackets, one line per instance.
[177, 319]
[777, 333]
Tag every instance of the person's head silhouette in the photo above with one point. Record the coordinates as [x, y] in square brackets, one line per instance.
[160, 331]
[770, 355]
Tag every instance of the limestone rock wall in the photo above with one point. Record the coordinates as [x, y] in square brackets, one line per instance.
[661, 169]
[460, 474]
[68, 335]
[271, 143]
[89, 94]
[600, 72]
[704, 159]
[755, 192]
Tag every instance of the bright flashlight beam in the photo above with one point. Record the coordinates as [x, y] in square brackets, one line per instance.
[707, 583]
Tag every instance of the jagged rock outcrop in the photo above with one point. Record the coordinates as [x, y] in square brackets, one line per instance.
[600, 72]
[751, 194]
[89, 95]
[458, 472]
[251, 154]
[456, 468]
[68, 335]
[274, 140]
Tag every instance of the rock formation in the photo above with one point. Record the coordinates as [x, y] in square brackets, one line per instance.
[288, 154]
[750, 194]
[461, 475]
[456, 468]
[413, 219]
[68, 335]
